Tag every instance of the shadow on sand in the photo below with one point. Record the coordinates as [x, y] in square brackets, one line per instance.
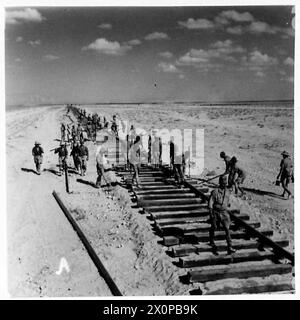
[263, 193]
[89, 183]
[29, 170]
[57, 173]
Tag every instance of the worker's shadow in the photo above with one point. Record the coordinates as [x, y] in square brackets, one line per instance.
[89, 183]
[263, 193]
[57, 173]
[29, 170]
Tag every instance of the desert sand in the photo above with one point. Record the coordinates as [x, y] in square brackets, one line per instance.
[39, 235]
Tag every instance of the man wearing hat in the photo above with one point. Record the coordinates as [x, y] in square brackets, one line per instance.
[37, 153]
[62, 156]
[218, 205]
[83, 156]
[286, 173]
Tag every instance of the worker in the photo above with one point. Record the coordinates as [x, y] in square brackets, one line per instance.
[132, 135]
[172, 153]
[83, 157]
[37, 152]
[237, 176]
[102, 163]
[62, 132]
[226, 160]
[134, 159]
[114, 126]
[75, 154]
[178, 164]
[62, 156]
[218, 209]
[155, 150]
[286, 173]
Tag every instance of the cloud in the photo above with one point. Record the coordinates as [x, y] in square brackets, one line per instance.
[166, 54]
[105, 26]
[261, 27]
[134, 42]
[19, 39]
[197, 24]
[25, 15]
[260, 74]
[220, 50]
[289, 61]
[258, 62]
[18, 60]
[237, 23]
[167, 67]
[103, 46]
[181, 76]
[35, 43]
[235, 30]
[259, 59]
[51, 57]
[156, 36]
[236, 16]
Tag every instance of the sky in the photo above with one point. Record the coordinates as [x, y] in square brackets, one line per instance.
[148, 54]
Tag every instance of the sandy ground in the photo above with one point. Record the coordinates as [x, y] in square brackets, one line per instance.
[39, 235]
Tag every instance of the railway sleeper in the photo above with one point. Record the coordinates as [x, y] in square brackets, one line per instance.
[204, 237]
[237, 257]
[182, 229]
[240, 272]
[185, 250]
[162, 222]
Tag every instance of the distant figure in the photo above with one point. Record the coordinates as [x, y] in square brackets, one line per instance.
[226, 160]
[62, 132]
[237, 176]
[62, 156]
[155, 150]
[37, 152]
[132, 135]
[114, 126]
[73, 133]
[172, 153]
[218, 210]
[102, 163]
[286, 173]
[178, 164]
[75, 154]
[83, 157]
[134, 159]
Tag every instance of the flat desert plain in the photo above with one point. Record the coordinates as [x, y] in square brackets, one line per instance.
[40, 237]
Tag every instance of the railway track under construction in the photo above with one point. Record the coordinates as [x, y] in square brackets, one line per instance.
[180, 216]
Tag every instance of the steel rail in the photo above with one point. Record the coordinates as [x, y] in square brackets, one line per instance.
[99, 265]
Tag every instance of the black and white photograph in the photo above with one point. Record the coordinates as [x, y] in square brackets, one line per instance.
[149, 150]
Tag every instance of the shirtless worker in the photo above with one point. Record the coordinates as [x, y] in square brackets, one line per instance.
[102, 163]
[37, 152]
[134, 159]
[237, 175]
[226, 160]
[286, 173]
[218, 209]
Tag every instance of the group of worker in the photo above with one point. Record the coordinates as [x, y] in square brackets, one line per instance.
[234, 175]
